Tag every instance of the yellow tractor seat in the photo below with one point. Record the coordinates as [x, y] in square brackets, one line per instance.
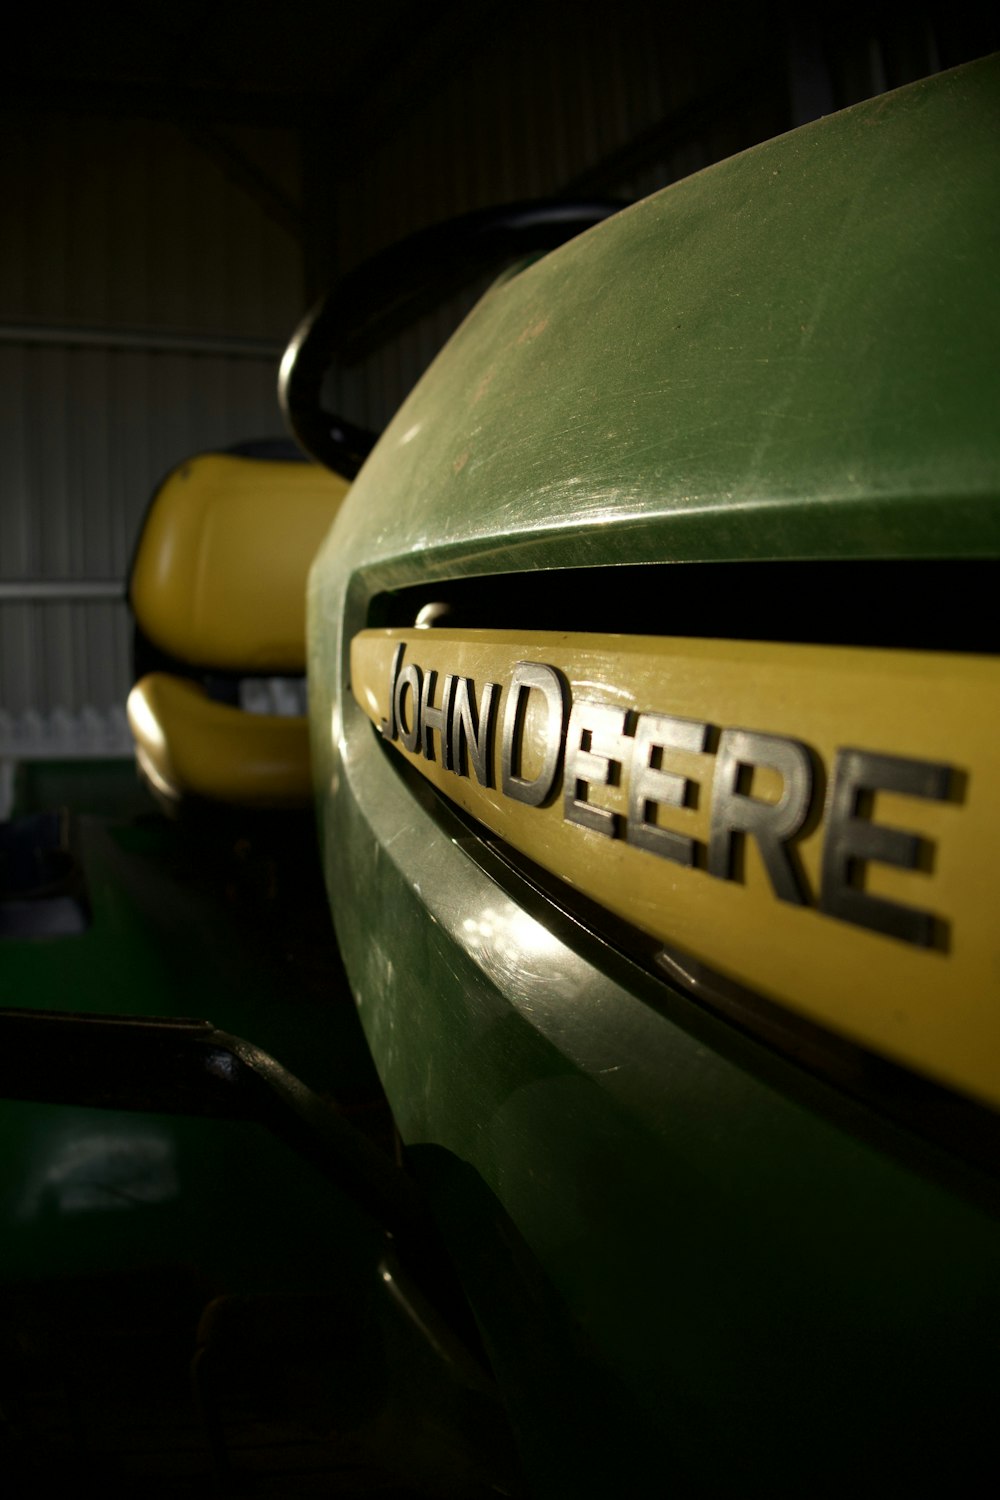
[218, 593]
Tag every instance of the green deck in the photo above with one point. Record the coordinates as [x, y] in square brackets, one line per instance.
[118, 1228]
[181, 926]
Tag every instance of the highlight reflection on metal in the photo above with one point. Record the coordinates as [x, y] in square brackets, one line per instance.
[436, 1334]
[140, 340]
[96, 1172]
[816, 823]
[504, 939]
[60, 590]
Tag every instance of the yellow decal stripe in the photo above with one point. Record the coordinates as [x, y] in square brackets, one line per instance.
[818, 824]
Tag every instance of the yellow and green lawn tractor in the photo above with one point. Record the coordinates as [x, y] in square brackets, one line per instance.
[653, 704]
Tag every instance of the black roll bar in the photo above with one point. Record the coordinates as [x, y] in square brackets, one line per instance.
[394, 287]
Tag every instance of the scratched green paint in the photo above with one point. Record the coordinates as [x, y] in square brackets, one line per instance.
[790, 354]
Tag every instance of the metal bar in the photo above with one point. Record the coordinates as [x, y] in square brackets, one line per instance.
[59, 590]
[155, 99]
[179, 1066]
[139, 340]
[168, 1065]
[247, 176]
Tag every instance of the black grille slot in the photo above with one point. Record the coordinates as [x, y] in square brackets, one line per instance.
[930, 606]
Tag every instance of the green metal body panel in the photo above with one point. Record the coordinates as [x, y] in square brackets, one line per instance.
[696, 1266]
[753, 363]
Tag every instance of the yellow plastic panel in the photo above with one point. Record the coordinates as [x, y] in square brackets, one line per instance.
[220, 575]
[927, 995]
[189, 745]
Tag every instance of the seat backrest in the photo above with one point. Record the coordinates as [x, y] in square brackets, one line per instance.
[219, 576]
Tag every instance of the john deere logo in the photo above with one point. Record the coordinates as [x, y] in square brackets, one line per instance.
[818, 824]
[589, 745]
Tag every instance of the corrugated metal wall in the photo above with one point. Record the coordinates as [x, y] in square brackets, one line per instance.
[144, 301]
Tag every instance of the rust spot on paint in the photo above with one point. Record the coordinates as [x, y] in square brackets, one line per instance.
[533, 330]
[483, 386]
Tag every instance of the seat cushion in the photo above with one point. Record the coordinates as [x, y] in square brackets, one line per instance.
[219, 577]
[188, 745]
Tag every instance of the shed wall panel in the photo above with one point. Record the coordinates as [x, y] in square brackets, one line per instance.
[116, 227]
